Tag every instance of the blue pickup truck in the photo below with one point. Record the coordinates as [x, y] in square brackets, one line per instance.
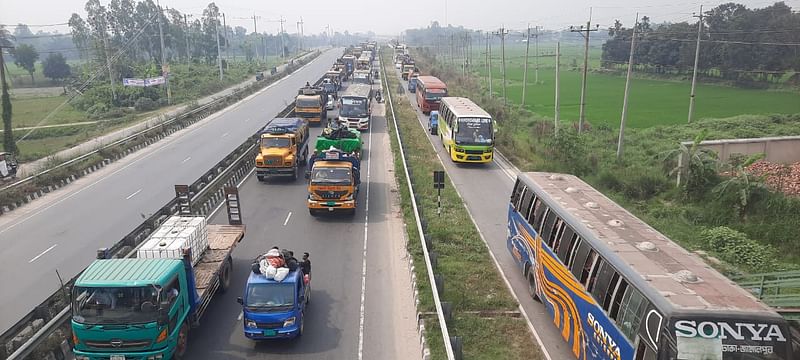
[273, 309]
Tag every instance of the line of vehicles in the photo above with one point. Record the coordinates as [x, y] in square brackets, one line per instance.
[615, 287]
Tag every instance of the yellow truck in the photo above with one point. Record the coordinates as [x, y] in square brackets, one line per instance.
[333, 181]
[283, 148]
[310, 104]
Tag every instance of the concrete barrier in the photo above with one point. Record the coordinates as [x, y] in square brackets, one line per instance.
[779, 149]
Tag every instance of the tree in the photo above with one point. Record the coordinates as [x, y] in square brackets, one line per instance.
[8, 137]
[25, 56]
[743, 187]
[697, 165]
[55, 67]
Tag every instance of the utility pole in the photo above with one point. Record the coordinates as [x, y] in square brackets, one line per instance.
[490, 65]
[302, 45]
[525, 73]
[536, 70]
[186, 35]
[696, 60]
[108, 65]
[557, 104]
[9, 145]
[227, 41]
[627, 90]
[587, 31]
[164, 65]
[283, 46]
[502, 33]
[219, 52]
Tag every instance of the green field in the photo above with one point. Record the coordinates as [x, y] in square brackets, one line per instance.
[29, 111]
[651, 102]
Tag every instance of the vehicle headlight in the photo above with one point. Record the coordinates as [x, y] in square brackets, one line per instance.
[156, 357]
[459, 149]
[250, 323]
[289, 322]
[259, 162]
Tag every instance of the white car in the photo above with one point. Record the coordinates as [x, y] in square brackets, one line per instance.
[398, 66]
[330, 103]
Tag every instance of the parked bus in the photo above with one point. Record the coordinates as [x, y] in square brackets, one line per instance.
[466, 130]
[429, 91]
[619, 289]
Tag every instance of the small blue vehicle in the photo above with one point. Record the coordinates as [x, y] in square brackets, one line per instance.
[273, 309]
[412, 84]
[433, 123]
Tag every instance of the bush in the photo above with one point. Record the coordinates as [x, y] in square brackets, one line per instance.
[145, 104]
[736, 248]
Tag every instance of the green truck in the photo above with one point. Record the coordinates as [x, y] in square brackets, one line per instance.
[143, 307]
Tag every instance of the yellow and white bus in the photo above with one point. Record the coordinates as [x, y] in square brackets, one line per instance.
[467, 131]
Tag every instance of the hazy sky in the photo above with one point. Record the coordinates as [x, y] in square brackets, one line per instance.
[389, 18]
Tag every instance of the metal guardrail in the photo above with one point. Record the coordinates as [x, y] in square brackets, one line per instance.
[206, 192]
[158, 127]
[429, 267]
[780, 290]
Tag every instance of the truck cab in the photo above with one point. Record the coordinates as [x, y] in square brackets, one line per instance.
[131, 307]
[274, 309]
[283, 148]
[310, 104]
[333, 181]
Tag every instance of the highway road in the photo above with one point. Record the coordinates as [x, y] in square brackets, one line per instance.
[486, 189]
[63, 230]
[356, 260]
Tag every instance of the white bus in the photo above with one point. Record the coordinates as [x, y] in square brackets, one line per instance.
[354, 106]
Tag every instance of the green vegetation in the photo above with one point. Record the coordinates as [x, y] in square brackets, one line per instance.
[642, 182]
[470, 280]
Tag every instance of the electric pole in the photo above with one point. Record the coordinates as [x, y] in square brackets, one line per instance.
[491, 80]
[283, 46]
[186, 35]
[227, 42]
[536, 69]
[302, 46]
[557, 104]
[502, 33]
[164, 65]
[9, 145]
[696, 60]
[486, 61]
[219, 52]
[525, 72]
[627, 90]
[585, 33]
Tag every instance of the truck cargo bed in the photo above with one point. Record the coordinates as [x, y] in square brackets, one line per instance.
[221, 241]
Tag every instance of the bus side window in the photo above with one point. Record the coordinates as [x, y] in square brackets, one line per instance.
[573, 251]
[644, 352]
[527, 200]
[555, 235]
[566, 239]
[593, 271]
[581, 254]
[616, 299]
[600, 285]
[631, 311]
[547, 227]
[588, 266]
[517, 193]
[537, 214]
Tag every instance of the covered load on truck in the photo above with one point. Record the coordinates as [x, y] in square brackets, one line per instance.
[342, 138]
[275, 296]
[283, 148]
[143, 307]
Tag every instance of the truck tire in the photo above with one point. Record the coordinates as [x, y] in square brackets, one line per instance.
[294, 174]
[225, 276]
[260, 178]
[302, 324]
[312, 212]
[183, 342]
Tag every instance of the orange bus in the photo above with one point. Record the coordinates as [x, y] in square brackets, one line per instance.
[430, 91]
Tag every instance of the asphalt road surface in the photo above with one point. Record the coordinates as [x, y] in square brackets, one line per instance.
[63, 230]
[486, 189]
[355, 258]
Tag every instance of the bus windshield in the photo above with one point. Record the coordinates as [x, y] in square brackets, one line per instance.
[270, 297]
[435, 94]
[353, 107]
[474, 131]
[115, 305]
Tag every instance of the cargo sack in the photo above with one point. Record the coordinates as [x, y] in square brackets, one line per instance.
[281, 273]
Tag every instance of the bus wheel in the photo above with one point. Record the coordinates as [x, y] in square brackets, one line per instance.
[183, 341]
[532, 286]
[225, 276]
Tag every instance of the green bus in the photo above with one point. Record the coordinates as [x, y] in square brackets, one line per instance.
[466, 130]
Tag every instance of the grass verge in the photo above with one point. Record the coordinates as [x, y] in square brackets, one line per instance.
[471, 282]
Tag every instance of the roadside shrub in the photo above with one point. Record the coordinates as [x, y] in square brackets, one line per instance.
[145, 104]
[736, 248]
[641, 183]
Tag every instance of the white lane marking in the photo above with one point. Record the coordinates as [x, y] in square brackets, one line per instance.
[287, 218]
[134, 194]
[225, 134]
[241, 315]
[246, 120]
[156, 151]
[364, 255]
[436, 150]
[42, 253]
[185, 160]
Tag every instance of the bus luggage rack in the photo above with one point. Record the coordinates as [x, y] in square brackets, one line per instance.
[780, 290]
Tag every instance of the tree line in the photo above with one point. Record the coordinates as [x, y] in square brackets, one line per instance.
[737, 44]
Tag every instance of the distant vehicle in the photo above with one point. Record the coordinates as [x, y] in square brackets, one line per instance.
[590, 261]
[330, 104]
[259, 76]
[466, 130]
[412, 82]
[274, 309]
[433, 123]
[398, 65]
[430, 90]
[310, 104]
[8, 166]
